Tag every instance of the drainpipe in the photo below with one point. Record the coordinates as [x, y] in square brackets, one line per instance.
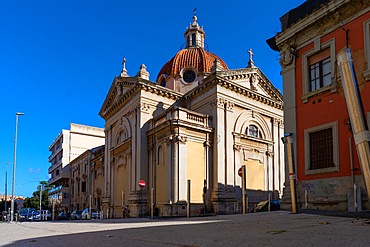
[353, 98]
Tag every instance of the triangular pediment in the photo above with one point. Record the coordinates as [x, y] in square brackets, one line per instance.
[254, 80]
[248, 82]
[120, 86]
[124, 88]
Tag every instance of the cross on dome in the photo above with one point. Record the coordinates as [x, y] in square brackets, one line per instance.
[195, 18]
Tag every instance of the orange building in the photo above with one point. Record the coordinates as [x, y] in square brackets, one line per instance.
[315, 109]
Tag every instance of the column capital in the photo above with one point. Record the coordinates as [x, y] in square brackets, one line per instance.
[237, 147]
[181, 139]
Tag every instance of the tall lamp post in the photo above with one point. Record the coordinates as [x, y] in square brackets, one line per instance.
[6, 187]
[14, 163]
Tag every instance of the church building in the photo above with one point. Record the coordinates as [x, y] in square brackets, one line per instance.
[183, 138]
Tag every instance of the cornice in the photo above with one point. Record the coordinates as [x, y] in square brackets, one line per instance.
[215, 80]
[116, 98]
[115, 101]
[309, 20]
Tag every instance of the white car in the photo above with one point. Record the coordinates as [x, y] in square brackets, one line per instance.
[45, 215]
[86, 214]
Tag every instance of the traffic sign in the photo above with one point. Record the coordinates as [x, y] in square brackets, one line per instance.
[142, 183]
[240, 172]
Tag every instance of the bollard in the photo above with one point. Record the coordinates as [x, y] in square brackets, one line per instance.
[306, 198]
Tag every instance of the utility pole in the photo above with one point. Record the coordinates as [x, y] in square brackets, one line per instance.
[244, 202]
[188, 201]
[40, 188]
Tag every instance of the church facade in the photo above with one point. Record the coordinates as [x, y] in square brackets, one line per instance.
[187, 134]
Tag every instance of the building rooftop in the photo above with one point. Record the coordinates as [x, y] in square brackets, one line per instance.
[298, 13]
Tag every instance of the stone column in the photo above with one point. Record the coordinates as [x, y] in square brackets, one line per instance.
[238, 162]
[229, 152]
[175, 169]
[112, 186]
[219, 172]
[106, 191]
[269, 165]
[108, 137]
[207, 163]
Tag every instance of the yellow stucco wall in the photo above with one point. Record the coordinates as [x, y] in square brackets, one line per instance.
[255, 175]
[119, 185]
[161, 186]
[195, 170]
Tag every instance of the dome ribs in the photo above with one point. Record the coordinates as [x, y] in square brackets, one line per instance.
[197, 58]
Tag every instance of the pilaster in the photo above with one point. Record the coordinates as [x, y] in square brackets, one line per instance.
[180, 142]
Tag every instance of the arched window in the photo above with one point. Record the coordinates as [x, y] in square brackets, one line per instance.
[121, 137]
[253, 131]
[193, 39]
[160, 155]
[188, 40]
[163, 82]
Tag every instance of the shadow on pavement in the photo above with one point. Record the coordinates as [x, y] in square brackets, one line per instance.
[362, 214]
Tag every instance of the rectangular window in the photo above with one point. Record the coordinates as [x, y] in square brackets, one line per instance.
[318, 69]
[321, 149]
[83, 185]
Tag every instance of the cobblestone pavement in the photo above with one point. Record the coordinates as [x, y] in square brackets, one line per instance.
[279, 228]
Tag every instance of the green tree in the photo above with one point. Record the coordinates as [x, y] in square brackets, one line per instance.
[34, 201]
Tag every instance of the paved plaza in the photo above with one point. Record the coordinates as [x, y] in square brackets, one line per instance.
[279, 228]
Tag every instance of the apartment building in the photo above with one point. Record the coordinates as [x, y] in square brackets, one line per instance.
[317, 111]
[68, 145]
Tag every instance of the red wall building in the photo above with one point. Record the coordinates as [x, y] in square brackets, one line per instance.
[315, 109]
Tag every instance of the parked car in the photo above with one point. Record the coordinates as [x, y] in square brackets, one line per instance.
[27, 214]
[76, 215]
[45, 215]
[263, 206]
[86, 214]
[64, 216]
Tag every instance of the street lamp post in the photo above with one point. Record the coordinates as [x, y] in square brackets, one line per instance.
[6, 188]
[14, 163]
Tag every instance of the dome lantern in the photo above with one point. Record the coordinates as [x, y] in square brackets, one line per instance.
[194, 34]
[192, 64]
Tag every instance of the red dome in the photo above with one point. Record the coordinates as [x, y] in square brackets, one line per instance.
[196, 57]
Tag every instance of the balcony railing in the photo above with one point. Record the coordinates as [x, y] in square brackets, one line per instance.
[182, 113]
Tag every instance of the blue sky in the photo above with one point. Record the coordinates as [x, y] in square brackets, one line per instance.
[58, 59]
